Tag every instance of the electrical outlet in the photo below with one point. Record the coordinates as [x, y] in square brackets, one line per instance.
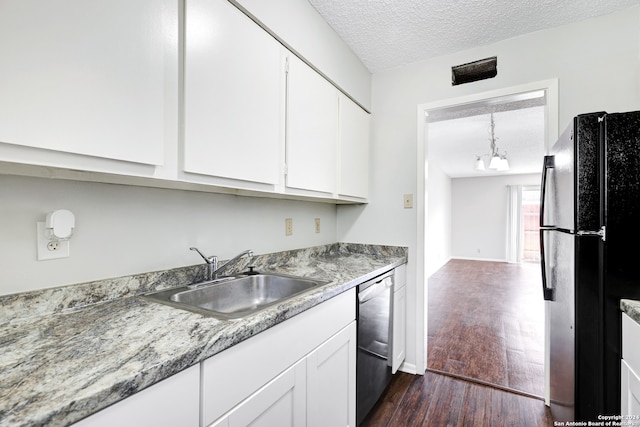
[317, 222]
[49, 249]
[408, 201]
[288, 227]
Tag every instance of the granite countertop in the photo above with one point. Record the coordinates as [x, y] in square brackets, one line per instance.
[68, 352]
[632, 308]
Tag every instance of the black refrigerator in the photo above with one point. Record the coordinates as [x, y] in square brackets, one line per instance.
[590, 224]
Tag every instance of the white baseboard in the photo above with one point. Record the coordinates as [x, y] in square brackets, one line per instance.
[480, 259]
[408, 368]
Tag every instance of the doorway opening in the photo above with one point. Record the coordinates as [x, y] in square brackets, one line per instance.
[519, 272]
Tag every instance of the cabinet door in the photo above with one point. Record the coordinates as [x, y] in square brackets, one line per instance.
[630, 364]
[631, 342]
[399, 328]
[354, 150]
[312, 129]
[234, 95]
[172, 402]
[630, 404]
[88, 77]
[279, 403]
[331, 381]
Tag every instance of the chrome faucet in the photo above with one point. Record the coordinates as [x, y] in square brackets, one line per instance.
[248, 253]
[212, 262]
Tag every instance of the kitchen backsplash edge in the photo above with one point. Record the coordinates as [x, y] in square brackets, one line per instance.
[75, 296]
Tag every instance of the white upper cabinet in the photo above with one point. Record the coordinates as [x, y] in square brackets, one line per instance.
[312, 129]
[125, 92]
[300, 27]
[234, 95]
[88, 77]
[354, 150]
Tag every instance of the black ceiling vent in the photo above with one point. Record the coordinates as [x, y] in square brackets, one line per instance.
[474, 71]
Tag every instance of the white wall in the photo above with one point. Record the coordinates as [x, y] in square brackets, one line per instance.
[439, 218]
[123, 230]
[597, 66]
[479, 217]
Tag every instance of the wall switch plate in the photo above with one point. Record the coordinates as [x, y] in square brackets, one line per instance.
[49, 249]
[317, 224]
[408, 201]
[288, 226]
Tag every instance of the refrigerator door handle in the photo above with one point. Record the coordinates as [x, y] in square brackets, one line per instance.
[547, 292]
[549, 163]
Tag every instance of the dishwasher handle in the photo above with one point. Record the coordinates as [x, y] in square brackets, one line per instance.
[376, 289]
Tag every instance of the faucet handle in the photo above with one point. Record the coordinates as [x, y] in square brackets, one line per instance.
[251, 271]
[208, 260]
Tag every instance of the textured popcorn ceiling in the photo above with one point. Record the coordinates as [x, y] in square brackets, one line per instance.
[386, 34]
[389, 33]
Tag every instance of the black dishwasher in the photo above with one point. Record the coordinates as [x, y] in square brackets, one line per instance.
[373, 368]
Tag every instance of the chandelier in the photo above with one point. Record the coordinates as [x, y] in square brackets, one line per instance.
[498, 160]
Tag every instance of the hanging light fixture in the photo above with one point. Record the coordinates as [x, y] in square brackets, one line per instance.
[479, 164]
[498, 161]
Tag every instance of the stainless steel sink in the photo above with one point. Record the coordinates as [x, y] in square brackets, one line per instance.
[237, 297]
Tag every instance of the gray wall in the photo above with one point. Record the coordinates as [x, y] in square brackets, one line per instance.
[479, 215]
[123, 230]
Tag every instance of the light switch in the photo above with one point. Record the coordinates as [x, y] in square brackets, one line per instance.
[408, 201]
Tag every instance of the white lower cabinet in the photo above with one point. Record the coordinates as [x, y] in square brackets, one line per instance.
[301, 371]
[169, 403]
[630, 369]
[630, 404]
[279, 403]
[399, 328]
[318, 390]
[331, 386]
[398, 346]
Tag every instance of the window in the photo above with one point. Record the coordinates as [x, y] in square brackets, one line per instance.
[530, 224]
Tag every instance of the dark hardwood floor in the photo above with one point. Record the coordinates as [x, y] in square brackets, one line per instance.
[486, 322]
[485, 352]
[435, 400]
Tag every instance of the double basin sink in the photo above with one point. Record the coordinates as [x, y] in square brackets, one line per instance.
[235, 297]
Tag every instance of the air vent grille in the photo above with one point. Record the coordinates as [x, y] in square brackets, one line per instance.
[473, 71]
